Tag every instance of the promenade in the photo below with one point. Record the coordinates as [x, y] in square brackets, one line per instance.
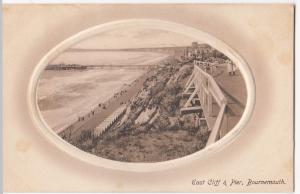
[234, 89]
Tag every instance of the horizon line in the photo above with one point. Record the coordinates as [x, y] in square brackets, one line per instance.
[103, 49]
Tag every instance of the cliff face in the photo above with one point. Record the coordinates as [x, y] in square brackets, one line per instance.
[152, 128]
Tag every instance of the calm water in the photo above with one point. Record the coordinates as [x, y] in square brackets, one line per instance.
[110, 58]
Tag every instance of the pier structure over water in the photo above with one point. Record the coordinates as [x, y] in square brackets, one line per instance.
[214, 98]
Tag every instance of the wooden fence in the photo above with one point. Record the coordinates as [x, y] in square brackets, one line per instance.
[203, 87]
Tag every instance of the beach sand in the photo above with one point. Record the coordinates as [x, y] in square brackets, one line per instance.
[65, 95]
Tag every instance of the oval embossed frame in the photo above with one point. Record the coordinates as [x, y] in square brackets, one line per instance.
[196, 34]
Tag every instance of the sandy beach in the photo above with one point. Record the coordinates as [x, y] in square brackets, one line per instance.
[65, 95]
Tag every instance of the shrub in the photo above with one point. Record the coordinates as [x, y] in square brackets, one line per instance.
[171, 103]
[85, 134]
[157, 88]
[163, 122]
[173, 89]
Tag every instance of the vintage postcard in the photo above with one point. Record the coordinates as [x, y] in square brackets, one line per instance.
[148, 98]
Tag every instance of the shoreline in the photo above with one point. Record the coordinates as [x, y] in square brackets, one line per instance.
[84, 95]
[98, 114]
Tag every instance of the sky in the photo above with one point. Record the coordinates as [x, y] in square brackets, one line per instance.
[134, 37]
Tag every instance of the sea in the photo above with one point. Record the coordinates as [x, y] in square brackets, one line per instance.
[64, 95]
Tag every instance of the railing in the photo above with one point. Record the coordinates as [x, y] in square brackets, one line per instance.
[207, 90]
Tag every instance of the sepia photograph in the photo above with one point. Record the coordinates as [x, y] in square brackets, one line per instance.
[139, 94]
[155, 97]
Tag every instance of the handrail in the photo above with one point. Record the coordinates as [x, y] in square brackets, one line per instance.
[215, 131]
[219, 97]
[216, 92]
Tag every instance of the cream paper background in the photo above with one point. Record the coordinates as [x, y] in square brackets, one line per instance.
[263, 36]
